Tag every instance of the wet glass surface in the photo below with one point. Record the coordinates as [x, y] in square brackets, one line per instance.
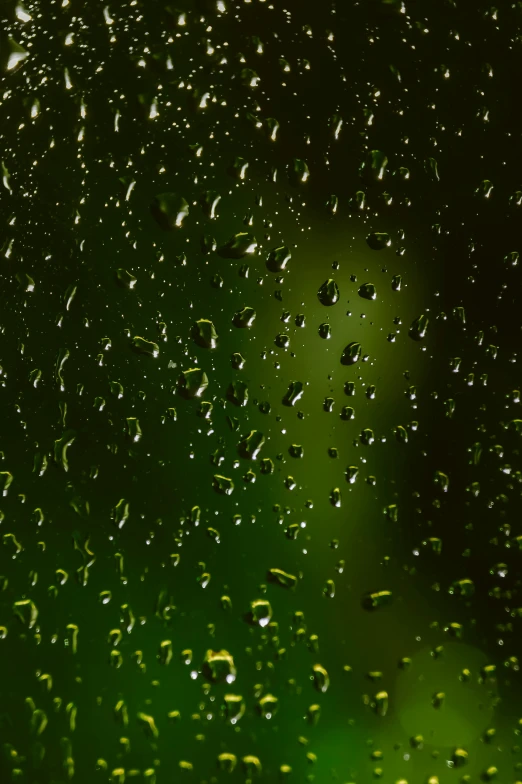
[259, 349]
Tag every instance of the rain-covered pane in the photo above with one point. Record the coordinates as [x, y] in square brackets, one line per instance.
[260, 473]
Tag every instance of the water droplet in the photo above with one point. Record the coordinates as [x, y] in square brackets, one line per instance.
[237, 361]
[381, 703]
[133, 429]
[209, 202]
[234, 707]
[251, 445]
[335, 497]
[299, 172]
[374, 601]
[268, 705]
[396, 283]
[125, 279]
[245, 317]
[147, 347]
[282, 341]
[401, 434]
[120, 513]
[328, 294]
[321, 678]
[278, 259]
[460, 757]
[219, 666]
[464, 587]
[13, 56]
[169, 210]
[431, 168]
[282, 578]
[294, 393]
[419, 328]
[367, 436]
[26, 611]
[373, 168]
[204, 333]
[267, 466]
[223, 485]
[378, 240]
[147, 723]
[192, 383]
[237, 393]
[261, 612]
[227, 762]
[351, 354]
[238, 246]
[367, 291]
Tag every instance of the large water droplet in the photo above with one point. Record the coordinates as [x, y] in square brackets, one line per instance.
[238, 246]
[419, 328]
[251, 444]
[169, 210]
[244, 318]
[192, 382]
[328, 294]
[219, 666]
[367, 291]
[378, 240]
[278, 259]
[351, 354]
[204, 333]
